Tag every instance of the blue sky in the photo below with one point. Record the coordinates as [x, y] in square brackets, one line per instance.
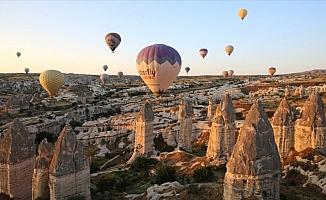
[69, 35]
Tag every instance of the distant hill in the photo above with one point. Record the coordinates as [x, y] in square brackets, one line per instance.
[314, 71]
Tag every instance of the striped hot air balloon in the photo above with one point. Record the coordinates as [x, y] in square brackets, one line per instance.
[120, 74]
[229, 49]
[158, 65]
[26, 70]
[104, 78]
[225, 74]
[203, 53]
[112, 40]
[230, 72]
[271, 71]
[51, 81]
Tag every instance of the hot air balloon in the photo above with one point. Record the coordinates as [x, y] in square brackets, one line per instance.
[26, 70]
[158, 65]
[242, 13]
[230, 72]
[187, 69]
[203, 52]
[18, 54]
[104, 78]
[225, 74]
[51, 81]
[271, 71]
[105, 67]
[112, 40]
[120, 74]
[229, 49]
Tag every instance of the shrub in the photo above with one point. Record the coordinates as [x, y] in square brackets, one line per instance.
[164, 174]
[142, 164]
[204, 174]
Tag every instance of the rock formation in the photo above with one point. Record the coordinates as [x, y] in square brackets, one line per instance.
[253, 169]
[283, 126]
[300, 91]
[310, 129]
[222, 134]
[69, 173]
[144, 144]
[16, 161]
[211, 108]
[287, 92]
[185, 120]
[41, 171]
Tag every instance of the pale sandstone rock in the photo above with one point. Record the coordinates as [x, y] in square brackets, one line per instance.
[211, 108]
[254, 166]
[69, 169]
[283, 126]
[310, 129]
[185, 119]
[40, 186]
[16, 161]
[144, 145]
[222, 133]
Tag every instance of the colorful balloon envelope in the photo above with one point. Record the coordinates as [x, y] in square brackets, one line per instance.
[26, 70]
[112, 40]
[187, 69]
[230, 72]
[120, 74]
[203, 53]
[51, 81]
[158, 65]
[271, 71]
[104, 78]
[242, 13]
[18, 54]
[229, 49]
[225, 74]
[105, 67]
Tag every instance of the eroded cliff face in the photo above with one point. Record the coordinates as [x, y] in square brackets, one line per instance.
[283, 127]
[185, 119]
[40, 181]
[310, 129]
[69, 167]
[222, 135]
[16, 161]
[254, 166]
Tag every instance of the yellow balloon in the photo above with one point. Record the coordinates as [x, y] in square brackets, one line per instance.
[242, 13]
[229, 49]
[51, 81]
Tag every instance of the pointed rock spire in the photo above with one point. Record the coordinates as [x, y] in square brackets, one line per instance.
[310, 130]
[283, 126]
[68, 154]
[283, 115]
[146, 112]
[313, 112]
[16, 144]
[254, 166]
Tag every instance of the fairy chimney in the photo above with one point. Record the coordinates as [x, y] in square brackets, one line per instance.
[310, 129]
[144, 145]
[69, 172]
[222, 133]
[283, 126]
[253, 169]
[211, 108]
[185, 121]
[40, 186]
[287, 92]
[16, 161]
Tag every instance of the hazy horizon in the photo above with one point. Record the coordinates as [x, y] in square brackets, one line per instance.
[69, 35]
